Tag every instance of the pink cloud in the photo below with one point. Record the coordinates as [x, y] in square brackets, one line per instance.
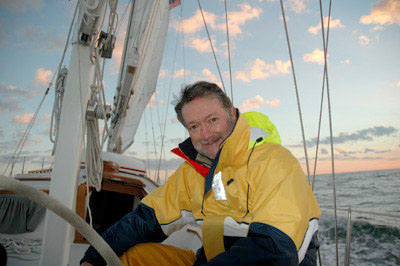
[334, 23]
[364, 40]
[237, 19]
[181, 72]
[297, 6]
[117, 53]
[317, 56]
[195, 23]
[257, 102]
[42, 77]
[22, 119]
[383, 12]
[202, 45]
[259, 69]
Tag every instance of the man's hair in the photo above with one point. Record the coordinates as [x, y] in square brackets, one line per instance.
[201, 89]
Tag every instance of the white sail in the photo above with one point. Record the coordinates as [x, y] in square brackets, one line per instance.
[139, 71]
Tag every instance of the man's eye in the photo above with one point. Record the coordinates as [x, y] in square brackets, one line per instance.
[193, 127]
[214, 119]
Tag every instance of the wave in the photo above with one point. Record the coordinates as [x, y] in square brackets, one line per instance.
[370, 244]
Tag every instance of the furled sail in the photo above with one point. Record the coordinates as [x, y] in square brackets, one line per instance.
[144, 46]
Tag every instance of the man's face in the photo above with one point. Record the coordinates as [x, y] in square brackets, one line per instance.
[208, 123]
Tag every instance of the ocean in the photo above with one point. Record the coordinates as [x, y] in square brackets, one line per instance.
[373, 197]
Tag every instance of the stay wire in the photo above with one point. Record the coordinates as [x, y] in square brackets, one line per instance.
[25, 135]
[168, 100]
[297, 92]
[183, 46]
[330, 128]
[212, 47]
[229, 49]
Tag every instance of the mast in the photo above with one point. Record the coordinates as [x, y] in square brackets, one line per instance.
[58, 233]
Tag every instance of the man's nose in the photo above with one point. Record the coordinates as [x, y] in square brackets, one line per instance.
[205, 132]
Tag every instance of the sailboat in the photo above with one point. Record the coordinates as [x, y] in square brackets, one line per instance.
[139, 69]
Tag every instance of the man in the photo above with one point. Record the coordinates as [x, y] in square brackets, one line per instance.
[249, 195]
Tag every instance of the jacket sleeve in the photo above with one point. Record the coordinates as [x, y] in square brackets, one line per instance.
[282, 197]
[138, 226]
[273, 247]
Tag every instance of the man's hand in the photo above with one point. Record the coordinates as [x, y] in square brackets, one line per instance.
[86, 264]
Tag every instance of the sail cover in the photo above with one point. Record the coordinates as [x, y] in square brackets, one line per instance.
[144, 49]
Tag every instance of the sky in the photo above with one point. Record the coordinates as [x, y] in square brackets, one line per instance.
[363, 71]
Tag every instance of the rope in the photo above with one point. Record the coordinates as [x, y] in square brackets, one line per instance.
[68, 215]
[18, 248]
[212, 47]
[297, 92]
[229, 49]
[24, 138]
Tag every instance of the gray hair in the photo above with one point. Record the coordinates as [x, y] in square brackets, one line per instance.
[201, 89]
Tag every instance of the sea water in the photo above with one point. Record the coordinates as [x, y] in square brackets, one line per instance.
[374, 198]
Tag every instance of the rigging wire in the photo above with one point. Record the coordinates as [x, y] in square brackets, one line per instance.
[169, 96]
[330, 122]
[212, 47]
[183, 46]
[147, 142]
[154, 138]
[297, 92]
[229, 49]
[33, 119]
[25, 135]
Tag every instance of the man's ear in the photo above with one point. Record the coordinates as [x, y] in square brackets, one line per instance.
[232, 114]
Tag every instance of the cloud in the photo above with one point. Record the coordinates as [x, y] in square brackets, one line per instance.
[317, 56]
[367, 134]
[42, 77]
[202, 45]
[206, 74]
[22, 119]
[181, 72]
[334, 23]
[383, 12]
[21, 6]
[237, 19]
[117, 54]
[259, 69]
[364, 40]
[174, 120]
[9, 104]
[298, 6]
[257, 102]
[163, 73]
[195, 23]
